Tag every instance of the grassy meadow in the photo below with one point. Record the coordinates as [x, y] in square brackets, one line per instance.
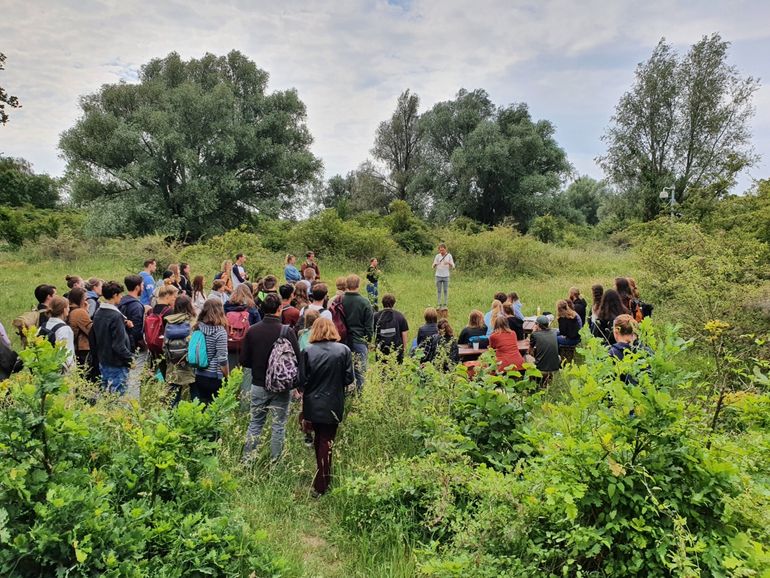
[306, 532]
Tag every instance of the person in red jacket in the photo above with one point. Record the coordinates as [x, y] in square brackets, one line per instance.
[506, 346]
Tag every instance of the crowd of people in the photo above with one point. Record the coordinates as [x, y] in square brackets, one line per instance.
[294, 339]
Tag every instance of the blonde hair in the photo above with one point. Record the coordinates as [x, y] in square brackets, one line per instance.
[227, 266]
[289, 258]
[167, 291]
[323, 330]
[563, 310]
[574, 293]
[174, 268]
[497, 309]
[500, 325]
[625, 324]
[341, 283]
[243, 296]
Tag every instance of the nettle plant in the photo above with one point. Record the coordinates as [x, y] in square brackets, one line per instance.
[103, 489]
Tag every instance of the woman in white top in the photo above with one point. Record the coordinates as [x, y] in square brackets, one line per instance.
[57, 329]
[442, 263]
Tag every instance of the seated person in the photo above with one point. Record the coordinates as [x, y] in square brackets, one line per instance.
[624, 330]
[610, 307]
[442, 347]
[475, 328]
[430, 328]
[578, 303]
[514, 322]
[570, 324]
[513, 299]
[495, 312]
[506, 346]
[544, 346]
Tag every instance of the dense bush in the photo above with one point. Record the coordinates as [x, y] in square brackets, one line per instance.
[27, 223]
[108, 491]
[618, 480]
[328, 235]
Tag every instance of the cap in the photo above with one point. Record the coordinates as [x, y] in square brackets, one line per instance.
[543, 321]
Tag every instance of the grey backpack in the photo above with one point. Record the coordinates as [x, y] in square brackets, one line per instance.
[282, 365]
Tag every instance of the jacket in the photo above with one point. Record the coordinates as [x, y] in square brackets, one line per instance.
[81, 324]
[109, 337]
[258, 344]
[216, 349]
[133, 309]
[359, 317]
[328, 370]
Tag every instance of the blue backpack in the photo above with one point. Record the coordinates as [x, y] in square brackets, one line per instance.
[197, 355]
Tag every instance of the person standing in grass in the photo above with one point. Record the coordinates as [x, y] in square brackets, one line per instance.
[57, 330]
[443, 263]
[185, 285]
[255, 355]
[198, 293]
[290, 272]
[373, 286]
[359, 320]
[150, 266]
[391, 329]
[179, 324]
[311, 263]
[289, 313]
[213, 324]
[109, 338]
[328, 370]
[239, 271]
[578, 304]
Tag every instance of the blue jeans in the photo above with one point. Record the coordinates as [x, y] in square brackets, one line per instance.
[360, 362]
[442, 284]
[278, 404]
[566, 342]
[114, 379]
[373, 290]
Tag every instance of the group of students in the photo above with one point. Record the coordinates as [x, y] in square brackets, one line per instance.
[293, 340]
[613, 318]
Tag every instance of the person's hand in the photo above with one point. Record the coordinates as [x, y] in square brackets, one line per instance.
[129, 324]
[296, 394]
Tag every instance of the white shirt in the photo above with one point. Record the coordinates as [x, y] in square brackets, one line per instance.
[66, 336]
[241, 272]
[443, 264]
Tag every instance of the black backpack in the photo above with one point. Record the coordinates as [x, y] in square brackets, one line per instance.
[50, 334]
[388, 335]
[9, 361]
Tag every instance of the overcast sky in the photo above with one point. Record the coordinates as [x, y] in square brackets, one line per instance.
[349, 60]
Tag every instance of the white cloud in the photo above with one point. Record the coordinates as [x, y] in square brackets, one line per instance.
[349, 60]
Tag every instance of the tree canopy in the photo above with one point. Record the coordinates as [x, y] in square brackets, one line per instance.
[190, 150]
[684, 124]
[19, 185]
[462, 158]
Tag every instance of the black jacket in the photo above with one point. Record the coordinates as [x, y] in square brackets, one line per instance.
[328, 370]
[109, 337]
[258, 345]
[185, 285]
[602, 329]
[132, 308]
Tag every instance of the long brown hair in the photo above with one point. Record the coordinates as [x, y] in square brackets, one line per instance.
[77, 297]
[212, 313]
[198, 285]
[183, 304]
[500, 325]
[242, 296]
[476, 319]
[564, 310]
[445, 329]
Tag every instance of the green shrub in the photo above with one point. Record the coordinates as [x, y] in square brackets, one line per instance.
[104, 490]
[328, 235]
[548, 229]
[28, 224]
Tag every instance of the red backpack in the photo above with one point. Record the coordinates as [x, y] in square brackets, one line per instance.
[338, 317]
[153, 331]
[237, 326]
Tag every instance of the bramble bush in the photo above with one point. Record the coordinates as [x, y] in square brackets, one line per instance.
[110, 490]
[615, 478]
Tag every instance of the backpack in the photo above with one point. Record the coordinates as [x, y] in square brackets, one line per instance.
[23, 322]
[9, 361]
[50, 334]
[237, 326]
[388, 335]
[338, 317]
[153, 331]
[96, 304]
[282, 365]
[197, 354]
[176, 338]
[646, 309]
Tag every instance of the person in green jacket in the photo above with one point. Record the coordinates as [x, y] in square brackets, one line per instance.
[359, 321]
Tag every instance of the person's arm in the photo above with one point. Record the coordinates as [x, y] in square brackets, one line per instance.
[435, 261]
[245, 355]
[300, 360]
[369, 321]
[303, 362]
[451, 261]
[119, 344]
[221, 338]
[350, 377]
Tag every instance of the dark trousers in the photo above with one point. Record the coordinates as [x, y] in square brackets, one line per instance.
[205, 388]
[323, 441]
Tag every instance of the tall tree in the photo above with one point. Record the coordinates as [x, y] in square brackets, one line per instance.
[505, 168]
[191, 149]
[397, 144]
[585, 195]
[683, 124]
[5, 98]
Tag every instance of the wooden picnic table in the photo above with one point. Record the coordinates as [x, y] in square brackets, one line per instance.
[470, 354]
[531, 321]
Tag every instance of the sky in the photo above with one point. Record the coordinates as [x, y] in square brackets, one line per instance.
[349, 60]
